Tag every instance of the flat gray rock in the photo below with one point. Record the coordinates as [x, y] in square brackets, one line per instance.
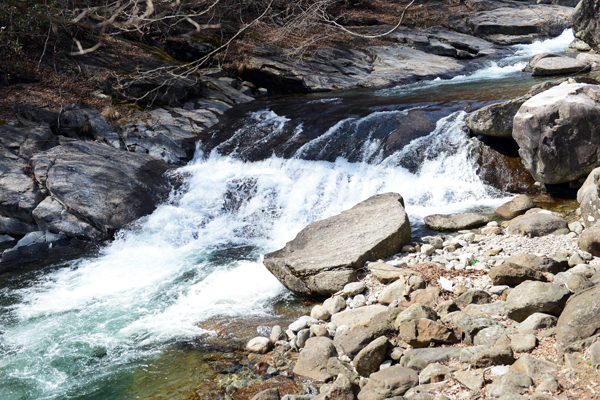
[538, 224]
[325, 255]
[547, 64]
[456, 221]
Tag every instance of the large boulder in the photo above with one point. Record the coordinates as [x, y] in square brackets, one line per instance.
[101, 186]
[496, 120]
[578, 324]
[325, 255]
[535, 297]
[586, 22]
[456, 221]
[538, 224]
[546, 64]
[588, 196]
[558, 132]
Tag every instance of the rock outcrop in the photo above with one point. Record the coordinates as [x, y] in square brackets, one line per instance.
[99, 186]
[324, 256]
[507, 25]
[557, 132]
[586, 25]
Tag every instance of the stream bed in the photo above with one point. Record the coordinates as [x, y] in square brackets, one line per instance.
[166, 307]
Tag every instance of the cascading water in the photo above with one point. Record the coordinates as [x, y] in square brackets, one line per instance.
[99, 327]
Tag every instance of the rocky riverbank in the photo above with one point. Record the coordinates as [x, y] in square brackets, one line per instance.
[492, 312]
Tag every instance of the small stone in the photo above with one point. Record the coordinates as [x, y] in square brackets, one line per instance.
[446, 307]
[319, 330]
[595, 354]
[499, 370]
[302, 323]
[259, 345]
[302, 337]
[394, 291]
[334, 304]
[498, 289]
[358, 301]
[320, 312]
[497, 355]
[370, 358]
[575, 259]
[427, 249]
[489, 336]
[548, 385]
[536, 368]
[354, 288]
[409, 249]
[474, 296]
[472, 379]
[415, 311]
[387, 383]
[523, 342]
[434, 373]
[578, 283]
[276, 334]
[510, 383]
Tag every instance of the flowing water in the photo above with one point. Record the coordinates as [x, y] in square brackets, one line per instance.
[129, 321]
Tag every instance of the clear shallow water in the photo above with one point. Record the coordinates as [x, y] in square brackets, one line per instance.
[112, 326]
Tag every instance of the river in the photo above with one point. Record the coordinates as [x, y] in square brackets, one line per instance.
[133, 319]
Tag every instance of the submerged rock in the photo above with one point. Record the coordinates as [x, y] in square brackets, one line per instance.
[325, 255]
